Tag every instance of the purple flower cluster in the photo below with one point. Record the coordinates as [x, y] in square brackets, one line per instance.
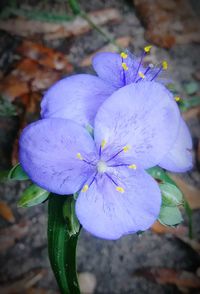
[136, 125]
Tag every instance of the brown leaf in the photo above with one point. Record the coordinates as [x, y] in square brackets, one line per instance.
[123, 42]
[158, 228]
[170, 276]
[9, 235]
[27, 28]
[12, 87]
[44, 56]
[168, 22]
[191, 194]
[6, 212]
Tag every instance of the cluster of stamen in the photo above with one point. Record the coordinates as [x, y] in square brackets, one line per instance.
[139, 75]
[102, 166]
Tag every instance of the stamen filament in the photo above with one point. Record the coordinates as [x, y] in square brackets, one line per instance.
[125, 149]
[146, 71]
[164, 66]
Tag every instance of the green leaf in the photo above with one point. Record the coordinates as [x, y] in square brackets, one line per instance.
[171, 195]
[160, 175]
[188, 211]
[70, 216]
[17, 173]
[33, 195]
[186, 104]
[62, 247]
[170, 216]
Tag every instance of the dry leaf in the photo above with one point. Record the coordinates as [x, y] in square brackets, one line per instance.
[12, 87]
[44, 56]
[168, 22]
[6, 212]
[27, 28]
[170, 276]
[158, 228]
[191, 194]
[122, 42]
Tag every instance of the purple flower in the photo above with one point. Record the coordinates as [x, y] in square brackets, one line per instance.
[79, 97]
[133, 130]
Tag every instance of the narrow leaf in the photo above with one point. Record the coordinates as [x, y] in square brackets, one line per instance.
[17, 173]
[33, 195]
[70, 216]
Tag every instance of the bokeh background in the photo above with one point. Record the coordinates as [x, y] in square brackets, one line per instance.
[42, 41]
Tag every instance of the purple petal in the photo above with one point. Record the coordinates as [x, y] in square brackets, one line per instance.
[143, 116]
[109, 214]
[48, 154]
[179, 158]
[108, 67]
[77, 98]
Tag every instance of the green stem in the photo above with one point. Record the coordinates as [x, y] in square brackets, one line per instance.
[62, 247]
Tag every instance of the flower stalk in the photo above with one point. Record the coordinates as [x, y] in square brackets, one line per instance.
[62, 246]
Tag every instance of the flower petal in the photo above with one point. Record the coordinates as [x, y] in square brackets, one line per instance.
[77, 98]
[48, 154]
[109, 214]
[108, 67]
[142, 116]
[179, 158]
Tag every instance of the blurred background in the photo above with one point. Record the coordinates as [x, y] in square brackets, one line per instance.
[42, 41]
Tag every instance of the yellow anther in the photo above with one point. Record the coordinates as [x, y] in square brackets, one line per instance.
[126, 148]
[165, 64]
[103, 143]
[141, 75]
[79, 156]
[124, 65]
[85, 188]
[147, 48]
[133, 166]
[124, 55]
[120, 189]
[177, 98]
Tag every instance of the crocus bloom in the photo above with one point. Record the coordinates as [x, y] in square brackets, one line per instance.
[79, 97]
[133, 130]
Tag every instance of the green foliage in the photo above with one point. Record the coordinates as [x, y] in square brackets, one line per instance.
[7, 109]
[32, 196]
[62, 245]
[170, 216]
[17, 173]
[70, 216]
[171, 195]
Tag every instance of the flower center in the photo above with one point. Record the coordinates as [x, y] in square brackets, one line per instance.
[102, 166]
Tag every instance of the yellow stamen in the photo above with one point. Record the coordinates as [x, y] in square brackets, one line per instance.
[165, 64]
[133, 166]
[141, 75]
[124, 65]
[177, 98]
[85, 188]
[120, 189]
[126, 148]
[79, 156]
[124, 55]
[103, 143]
[147, 48]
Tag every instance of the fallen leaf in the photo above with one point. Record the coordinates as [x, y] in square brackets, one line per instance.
[158, 228]
[170, 276]
[168, 22]
[6, 212]
[9, 235]
[27, 28]
[44, 56]
[12, 87]
[123, 42]
[38, 76]
[191, 194]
